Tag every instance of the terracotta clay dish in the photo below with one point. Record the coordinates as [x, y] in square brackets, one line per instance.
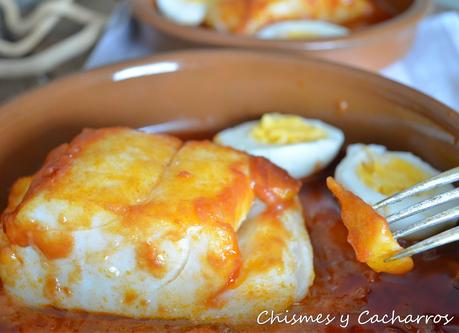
[194, 95]
[373, 43]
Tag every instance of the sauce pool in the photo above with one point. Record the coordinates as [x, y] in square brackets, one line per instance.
[342, 286]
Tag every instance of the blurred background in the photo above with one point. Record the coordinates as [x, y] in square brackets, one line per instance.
[91, 33]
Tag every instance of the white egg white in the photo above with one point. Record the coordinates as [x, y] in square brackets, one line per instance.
[186, 12]
[293, 29]
[298, 159]
[346, 174]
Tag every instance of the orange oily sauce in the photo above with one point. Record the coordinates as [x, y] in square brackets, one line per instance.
[342, 285]
[248, 16]
[178, 204]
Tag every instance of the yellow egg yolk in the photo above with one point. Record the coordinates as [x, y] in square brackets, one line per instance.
[301, 35]
[282, 129]
[391, 175]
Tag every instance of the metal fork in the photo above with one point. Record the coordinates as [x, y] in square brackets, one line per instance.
[445, 237]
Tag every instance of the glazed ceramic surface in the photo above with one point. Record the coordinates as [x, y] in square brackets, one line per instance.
[204, 91]
[372, 48]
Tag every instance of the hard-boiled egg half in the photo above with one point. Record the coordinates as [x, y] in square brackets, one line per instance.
[286, 18]
[374, 173]
[299, 145]
[301, 29]
[186, 12]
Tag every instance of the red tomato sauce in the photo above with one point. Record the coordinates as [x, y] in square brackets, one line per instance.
[345, 286]
[342, 286]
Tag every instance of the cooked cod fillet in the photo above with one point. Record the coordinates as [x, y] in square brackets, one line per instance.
[249, 16]
[147, 226]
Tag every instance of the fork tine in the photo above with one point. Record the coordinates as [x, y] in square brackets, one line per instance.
[424, 205]
[446, 177]
[443, 238]
[437, 219]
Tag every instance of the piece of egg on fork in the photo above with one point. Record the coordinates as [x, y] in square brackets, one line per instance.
[299, 145]
[301, 29]
[186, 12]
[374, 173]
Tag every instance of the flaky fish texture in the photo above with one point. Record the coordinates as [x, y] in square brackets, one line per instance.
[369, 233]
[249, 16]
[147, 226]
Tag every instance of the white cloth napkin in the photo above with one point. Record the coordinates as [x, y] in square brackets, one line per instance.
[432, 65]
